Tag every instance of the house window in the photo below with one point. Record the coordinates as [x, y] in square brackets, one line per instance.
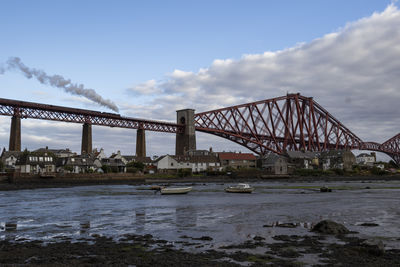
[172, 164]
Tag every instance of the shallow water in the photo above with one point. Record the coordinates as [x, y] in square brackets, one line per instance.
[114, 210]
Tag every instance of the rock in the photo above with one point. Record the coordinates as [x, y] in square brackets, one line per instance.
[268, 225]
[330, 228]
[375, 247]
[204, 238]
[287, 225]
[369, 224]
[33, 259]
[325, 189]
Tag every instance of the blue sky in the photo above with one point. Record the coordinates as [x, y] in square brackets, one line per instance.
[115, 46]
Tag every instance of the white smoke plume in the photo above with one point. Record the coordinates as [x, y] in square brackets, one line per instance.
[15, 63]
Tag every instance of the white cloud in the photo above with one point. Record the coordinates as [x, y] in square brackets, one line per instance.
[354, 73]
[146, 88]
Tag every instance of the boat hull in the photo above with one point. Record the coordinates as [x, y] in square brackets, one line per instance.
[175, 191]
[239, 190]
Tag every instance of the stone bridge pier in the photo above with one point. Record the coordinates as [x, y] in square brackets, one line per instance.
[15, 134]
[140, 143]
[187, 140]
[86, 146]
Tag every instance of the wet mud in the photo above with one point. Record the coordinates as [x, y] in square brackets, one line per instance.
[144, 250]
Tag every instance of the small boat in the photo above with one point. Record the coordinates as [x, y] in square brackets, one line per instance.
[325, 189]
[239, 188]
[175, 190]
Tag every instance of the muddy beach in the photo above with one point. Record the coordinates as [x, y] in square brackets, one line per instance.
[124, 225]
[134, 250]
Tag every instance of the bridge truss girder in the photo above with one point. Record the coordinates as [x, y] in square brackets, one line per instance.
[291, 122]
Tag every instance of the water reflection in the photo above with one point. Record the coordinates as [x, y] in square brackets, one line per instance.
[140, 219]
[84, 227]
[10, 226]
[186, 216]
[79, 211]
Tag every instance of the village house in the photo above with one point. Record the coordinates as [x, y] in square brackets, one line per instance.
[58, 153]
[204, 160]
[365, 159]
[78, 164]
[35, 163]
[237, 160]
[302, 160]
[337, 159]
[98, 154]
[132, 158]
[113, 164]
[274, 164]
[10, 158]
[168, 163]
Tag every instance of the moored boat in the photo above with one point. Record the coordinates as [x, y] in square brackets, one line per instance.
[239, 188]
[175, 190]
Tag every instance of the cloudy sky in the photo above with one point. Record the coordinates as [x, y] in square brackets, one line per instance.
[147, 59]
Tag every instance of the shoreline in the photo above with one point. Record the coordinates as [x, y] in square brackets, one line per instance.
[144, 250]
[36, 182]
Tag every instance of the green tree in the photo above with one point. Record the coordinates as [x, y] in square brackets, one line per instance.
[106, 169]
[1, 165]
[68, 168]
[136, 164]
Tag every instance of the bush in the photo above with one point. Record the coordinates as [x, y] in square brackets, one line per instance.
[131, 170]
[310, 172]
[377, 171]
[215, 173]
[106, 169]
[338, 171]
[136, 164]
[184, 172]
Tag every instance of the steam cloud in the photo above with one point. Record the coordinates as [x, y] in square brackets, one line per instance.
[15, 63]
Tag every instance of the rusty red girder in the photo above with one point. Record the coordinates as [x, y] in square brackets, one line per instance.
[291, 122]
[31, 110]
[391, 147]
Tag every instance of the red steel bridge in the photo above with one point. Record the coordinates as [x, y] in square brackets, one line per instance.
[291, 122]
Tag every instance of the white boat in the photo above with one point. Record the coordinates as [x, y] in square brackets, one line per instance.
[175, 190]
[239, 188]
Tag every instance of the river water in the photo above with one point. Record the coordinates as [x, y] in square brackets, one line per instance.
[81, 212]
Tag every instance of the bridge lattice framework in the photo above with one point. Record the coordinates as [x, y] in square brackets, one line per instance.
[291, 122]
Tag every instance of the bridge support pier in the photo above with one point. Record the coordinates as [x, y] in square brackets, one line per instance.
[86, 139]
[140, 143]
[187, 140]
[15, 134]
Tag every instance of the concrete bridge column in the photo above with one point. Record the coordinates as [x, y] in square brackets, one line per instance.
[86, 139]
[140, 143]
[187, 140]
[15, 134]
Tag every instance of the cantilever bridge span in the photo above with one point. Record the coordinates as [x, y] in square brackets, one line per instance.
[291, 122]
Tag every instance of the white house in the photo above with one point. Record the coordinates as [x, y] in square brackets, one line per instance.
[10, 158]
[169, 162]
[366, 159]
[36, 164]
